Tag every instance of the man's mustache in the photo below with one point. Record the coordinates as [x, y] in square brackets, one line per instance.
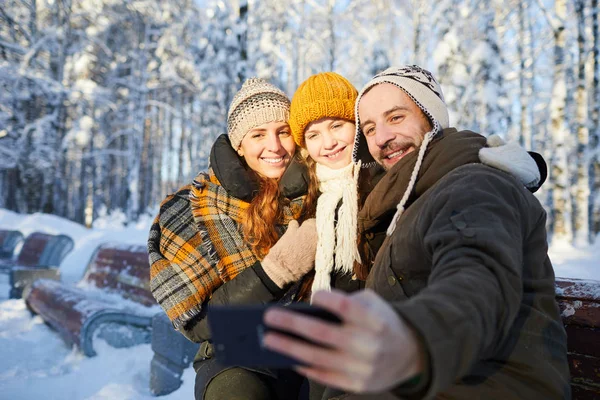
[394, 146]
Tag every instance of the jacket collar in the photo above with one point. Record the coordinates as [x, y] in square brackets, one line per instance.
[241, 182]
[451, 149]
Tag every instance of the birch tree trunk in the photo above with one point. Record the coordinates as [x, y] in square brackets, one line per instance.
[417, 29]
[332, 42]
[138, 112]
[560, 167]
[595, 125]
[582, 187]
[182, 140]
[57, 189]
[524, 133]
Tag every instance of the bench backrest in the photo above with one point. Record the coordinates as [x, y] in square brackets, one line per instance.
[57, 248]
[123, 269]
[8, 242]
[579, 302]
[33, 248]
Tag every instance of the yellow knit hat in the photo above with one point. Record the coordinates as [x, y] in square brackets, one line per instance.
[324, 95]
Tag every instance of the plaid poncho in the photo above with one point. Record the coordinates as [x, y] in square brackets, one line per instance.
[196, 244]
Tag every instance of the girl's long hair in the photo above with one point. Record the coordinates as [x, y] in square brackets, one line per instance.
[309, 208]
[361, 269]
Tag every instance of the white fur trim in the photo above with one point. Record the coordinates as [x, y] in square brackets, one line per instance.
[513, 159]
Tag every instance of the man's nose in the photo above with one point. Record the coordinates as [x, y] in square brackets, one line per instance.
[383, 135]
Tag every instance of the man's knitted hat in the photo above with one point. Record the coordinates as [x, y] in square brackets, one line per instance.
[258, 102]
[324, 95]
[420, 85]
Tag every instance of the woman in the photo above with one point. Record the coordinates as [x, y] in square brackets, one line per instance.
[213, 241]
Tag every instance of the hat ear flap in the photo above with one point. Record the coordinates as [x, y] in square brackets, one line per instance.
[361, 149]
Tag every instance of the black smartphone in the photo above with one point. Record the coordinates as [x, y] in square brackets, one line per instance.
[238, 330]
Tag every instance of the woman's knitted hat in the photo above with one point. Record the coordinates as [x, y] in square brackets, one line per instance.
[258, 102]
[324, 95]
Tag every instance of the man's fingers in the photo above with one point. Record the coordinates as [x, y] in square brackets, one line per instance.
[312, 328]
[314, 355]
[355, 309]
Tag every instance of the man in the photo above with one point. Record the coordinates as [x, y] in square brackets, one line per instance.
[462, 301]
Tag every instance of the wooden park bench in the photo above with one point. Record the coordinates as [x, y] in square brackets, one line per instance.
[579, 302]
[9, 240]
[112, 301]
[40, 257]
[30, 253]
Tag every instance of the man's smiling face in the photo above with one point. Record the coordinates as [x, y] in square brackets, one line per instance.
[392, 123]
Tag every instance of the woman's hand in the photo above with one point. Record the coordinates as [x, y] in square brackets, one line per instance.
[294, 253]
[373, 350]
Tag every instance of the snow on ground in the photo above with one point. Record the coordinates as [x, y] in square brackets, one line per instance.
[34, 361]
[576, 262]
[36, 364]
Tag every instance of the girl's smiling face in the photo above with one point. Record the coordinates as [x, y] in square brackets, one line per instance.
[329, 141]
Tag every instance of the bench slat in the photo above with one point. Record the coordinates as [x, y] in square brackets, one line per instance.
[125, 270]
[580, 312]
[585, 370]
[32, 249]
[583, 392]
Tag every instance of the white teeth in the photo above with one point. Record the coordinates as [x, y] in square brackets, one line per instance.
[273, 160]
[334, 154]
[396, 154]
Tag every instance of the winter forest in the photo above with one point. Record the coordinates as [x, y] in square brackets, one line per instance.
[108, 105]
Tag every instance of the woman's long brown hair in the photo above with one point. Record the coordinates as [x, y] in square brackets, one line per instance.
[265, 210]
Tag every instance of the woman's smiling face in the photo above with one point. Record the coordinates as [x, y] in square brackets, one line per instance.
[268, 149]
[329, 141]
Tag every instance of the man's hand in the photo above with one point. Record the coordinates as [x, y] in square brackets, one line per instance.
[373, 350]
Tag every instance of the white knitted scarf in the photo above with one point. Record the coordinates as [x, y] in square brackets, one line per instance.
[336, 238]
